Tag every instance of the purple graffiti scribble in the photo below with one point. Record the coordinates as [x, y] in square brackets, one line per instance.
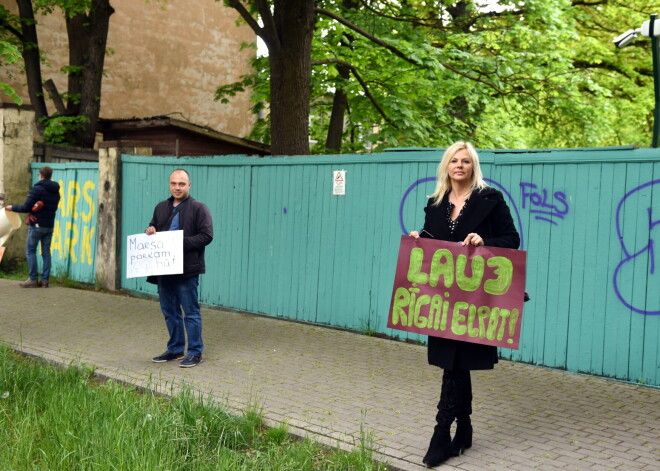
[630, 256]
[513, 207]
[652, 224]
[541, 200]
[403, 201]
[545, 219]
[493, 183]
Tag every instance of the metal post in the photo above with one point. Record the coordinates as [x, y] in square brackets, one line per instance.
[655, 49]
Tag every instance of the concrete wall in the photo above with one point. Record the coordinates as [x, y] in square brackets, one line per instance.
[108, 266]
[16, 134]
[165, 58]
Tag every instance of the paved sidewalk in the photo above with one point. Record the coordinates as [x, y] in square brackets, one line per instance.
[329, 384]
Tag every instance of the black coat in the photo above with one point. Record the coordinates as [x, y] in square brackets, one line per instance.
[195, 220]
[488, 215]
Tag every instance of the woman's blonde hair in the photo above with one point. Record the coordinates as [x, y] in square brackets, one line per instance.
[443, 183]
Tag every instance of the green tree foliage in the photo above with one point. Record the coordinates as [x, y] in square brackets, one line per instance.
[9, 54]
[624, 102]
[518, 74]
[77, 109]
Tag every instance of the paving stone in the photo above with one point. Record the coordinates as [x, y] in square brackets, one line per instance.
[330, 385]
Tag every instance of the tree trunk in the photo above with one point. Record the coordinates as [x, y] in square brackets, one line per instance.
[290, 80]
[96, 32]
[339, 106]
[75, 29]
[31, 60]
[462, 108]
[340, 101]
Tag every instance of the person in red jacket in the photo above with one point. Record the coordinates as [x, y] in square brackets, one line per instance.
[41, 205]
[182, 212]
[463, 209]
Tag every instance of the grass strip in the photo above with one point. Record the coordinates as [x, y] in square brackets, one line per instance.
[65, 419]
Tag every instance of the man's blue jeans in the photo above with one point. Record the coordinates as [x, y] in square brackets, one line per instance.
[176, 292]
[36, 235]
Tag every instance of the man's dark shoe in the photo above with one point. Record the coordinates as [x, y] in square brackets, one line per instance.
[43, 284]
[167, 356]
[190, 361]
[29, 284]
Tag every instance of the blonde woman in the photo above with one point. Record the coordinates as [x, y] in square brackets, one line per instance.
[463, 209]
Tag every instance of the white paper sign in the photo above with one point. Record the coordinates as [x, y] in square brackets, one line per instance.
[339, 182]
[157, 254]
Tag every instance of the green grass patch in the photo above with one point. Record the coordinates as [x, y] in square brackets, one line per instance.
[65, 419]
[14, 270]
[18, 270]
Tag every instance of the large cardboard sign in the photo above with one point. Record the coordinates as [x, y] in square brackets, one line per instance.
[157, 254]
[445, 289]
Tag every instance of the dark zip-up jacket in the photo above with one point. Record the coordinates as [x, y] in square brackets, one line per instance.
[46, 191]
[195, 220]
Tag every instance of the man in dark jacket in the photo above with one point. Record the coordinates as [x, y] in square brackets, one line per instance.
[41, 205]
[181, 212]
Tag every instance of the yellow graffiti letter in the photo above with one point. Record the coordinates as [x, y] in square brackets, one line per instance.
[440, 268]
[492, 323]
[477, 268]
[401, 301]
[414, 268]
[86, 245]
[411, 305]
[483, 312]
[445, 310]
[71, 242]
[457, 317]
[435, 312]
[504, 314]
[422, 321]
[472, 314]
[72, 199]
[504, 272]
[87, 188]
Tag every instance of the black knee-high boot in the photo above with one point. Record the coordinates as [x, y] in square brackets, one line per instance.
[440, 446]
[463, 437]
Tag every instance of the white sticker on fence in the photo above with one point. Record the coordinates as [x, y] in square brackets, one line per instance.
[157, 254]
[339, 182]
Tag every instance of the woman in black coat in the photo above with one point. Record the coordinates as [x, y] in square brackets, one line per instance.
[462, 209]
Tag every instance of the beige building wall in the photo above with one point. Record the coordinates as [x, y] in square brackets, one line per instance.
[165, 58]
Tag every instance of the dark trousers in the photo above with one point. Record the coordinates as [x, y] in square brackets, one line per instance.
[176, 292]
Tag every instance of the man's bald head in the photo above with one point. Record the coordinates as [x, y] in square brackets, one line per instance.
[180, 185]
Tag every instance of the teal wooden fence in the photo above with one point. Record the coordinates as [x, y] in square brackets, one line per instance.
[285, 246]
[73, 248]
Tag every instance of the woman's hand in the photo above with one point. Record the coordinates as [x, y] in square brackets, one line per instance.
[473, 239]
[150, 230]
[415, 234]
